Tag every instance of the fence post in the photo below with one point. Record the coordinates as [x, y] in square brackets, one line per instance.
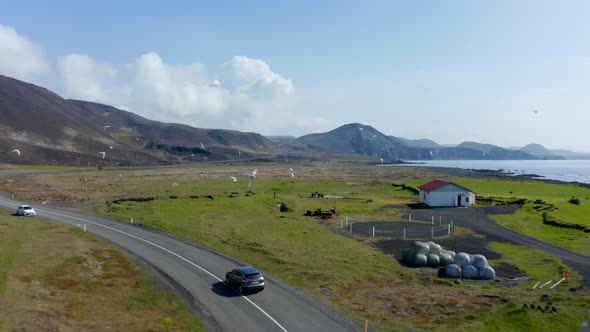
[373, 231]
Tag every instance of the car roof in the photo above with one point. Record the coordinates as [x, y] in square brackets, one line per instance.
[24, 206]
[247, 270]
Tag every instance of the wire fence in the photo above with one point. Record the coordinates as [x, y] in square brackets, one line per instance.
[437, 226]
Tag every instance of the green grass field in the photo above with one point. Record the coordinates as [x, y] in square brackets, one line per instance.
[55, 277]
[354, 276]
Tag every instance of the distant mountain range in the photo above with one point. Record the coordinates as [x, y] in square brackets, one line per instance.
[365, 140]
[39, 127]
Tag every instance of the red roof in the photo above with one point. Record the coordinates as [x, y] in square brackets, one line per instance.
[433, 185]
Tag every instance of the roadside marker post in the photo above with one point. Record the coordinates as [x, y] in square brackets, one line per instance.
[557, 283]
[433, 220]
[404, 233]
[432, 232]
[131, 220]
[410, 217]
[373, 231]
[449, 228]
[84, 227]
[545, 284]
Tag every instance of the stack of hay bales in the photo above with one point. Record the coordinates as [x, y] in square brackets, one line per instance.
[461, 265]
[427, 254]
[469, 267]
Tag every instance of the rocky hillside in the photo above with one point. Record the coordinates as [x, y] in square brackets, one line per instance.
[39, 127]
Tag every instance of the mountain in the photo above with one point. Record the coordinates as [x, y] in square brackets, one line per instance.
[47, 129]
[490, 151]
[570, 154]
[355, 138]
[418, 143]
[365, 140]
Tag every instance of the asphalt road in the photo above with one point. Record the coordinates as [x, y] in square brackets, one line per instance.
[199, 272]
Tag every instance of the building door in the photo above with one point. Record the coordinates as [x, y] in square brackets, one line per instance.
[458, 200]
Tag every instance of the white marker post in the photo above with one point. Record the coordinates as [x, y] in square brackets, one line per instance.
[410, 217]
[404, 233]
[433, 220]
[84, 227]
[449, 228]
[131, 220]
[373, 231]
[557, 283]
[545, 284]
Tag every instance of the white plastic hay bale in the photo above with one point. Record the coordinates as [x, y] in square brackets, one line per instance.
[421, 248]
[479, 261]
[420, 260]
[435, 248]
[470, 272]
[453, 270]
[451, 253]
[433, 260]
[462, 259]
[487, 273]
[445, 258]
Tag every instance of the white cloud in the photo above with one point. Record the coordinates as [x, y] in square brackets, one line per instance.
[19, 57]
[249, 96]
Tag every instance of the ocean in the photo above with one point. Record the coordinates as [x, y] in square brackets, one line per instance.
[562, 170]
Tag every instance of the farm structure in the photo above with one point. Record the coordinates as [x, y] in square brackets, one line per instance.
[439, 193]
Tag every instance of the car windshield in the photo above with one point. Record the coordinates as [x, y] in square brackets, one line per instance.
[27, 208]
[253, 275]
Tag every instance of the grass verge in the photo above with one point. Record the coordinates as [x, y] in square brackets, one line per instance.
[55, 277]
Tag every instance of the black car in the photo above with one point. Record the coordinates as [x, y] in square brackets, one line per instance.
[245, 278]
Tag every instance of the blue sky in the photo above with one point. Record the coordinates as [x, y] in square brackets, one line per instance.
[450, 71]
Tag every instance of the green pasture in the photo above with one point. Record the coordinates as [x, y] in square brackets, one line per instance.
[307, 254]
[354, 276]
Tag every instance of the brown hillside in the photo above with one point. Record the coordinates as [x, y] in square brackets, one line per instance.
[48, 129]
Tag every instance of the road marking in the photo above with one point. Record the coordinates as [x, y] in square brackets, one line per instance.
[164, 249]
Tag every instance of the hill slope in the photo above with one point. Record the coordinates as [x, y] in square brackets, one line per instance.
[47, 129]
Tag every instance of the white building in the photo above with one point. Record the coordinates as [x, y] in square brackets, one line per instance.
[443, 193]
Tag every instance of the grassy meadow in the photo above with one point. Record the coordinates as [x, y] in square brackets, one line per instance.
[201, 203]
[57, 278]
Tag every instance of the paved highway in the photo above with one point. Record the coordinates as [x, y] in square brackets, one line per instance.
[199, 272]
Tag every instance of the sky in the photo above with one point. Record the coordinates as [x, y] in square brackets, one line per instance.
[450, 71]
